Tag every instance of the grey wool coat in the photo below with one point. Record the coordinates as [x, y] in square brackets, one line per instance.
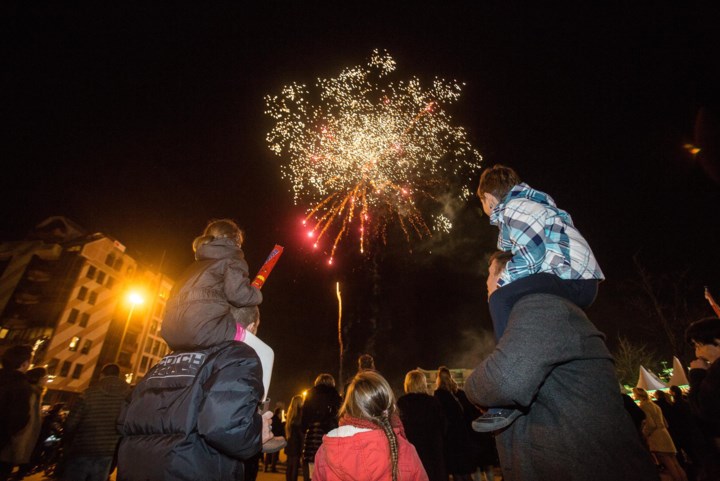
[552, 362]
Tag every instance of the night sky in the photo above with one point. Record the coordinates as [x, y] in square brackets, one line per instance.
[144, 122]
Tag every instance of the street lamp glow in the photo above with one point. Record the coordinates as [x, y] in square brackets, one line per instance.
[134, 298]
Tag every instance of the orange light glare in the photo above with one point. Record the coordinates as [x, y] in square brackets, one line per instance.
[135, 298]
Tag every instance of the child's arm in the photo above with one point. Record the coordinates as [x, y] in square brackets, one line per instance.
[239, 291]
[523, 234]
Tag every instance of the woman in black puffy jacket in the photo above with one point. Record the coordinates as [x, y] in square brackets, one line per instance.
[319, 416]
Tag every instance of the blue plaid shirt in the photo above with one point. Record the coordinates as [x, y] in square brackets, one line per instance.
[541, 237]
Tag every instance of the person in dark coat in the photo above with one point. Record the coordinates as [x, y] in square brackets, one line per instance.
[687, 434]
[213, 299]
[636, 414]
[24, 442]
[195, 416]
[294, 435]
[320, 411]
[483, 443]
[91, 435]
[278, 429]
[704, 395]
[458, 444]
[15, 395]
[424, 422]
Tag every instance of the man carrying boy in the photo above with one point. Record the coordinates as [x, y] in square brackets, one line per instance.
[549, 255]
[554, 363]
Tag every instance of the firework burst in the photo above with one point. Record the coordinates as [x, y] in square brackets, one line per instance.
[367, 150]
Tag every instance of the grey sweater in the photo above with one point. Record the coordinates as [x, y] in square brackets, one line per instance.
[553, 362]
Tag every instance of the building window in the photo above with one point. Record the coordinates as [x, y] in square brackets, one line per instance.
[144, 363]
[156, 348]
[52, 366]
[118, 265]
[84, 318]
[124, 359]
[74, 342]
[159, 309]
[90, 274]
[100, 277]
[110, 260]
[77, 371]
[72, 317]
[110, 282]
[86, 347]
[82, 294]
[65, 369]
[148, 345]
[93, 298]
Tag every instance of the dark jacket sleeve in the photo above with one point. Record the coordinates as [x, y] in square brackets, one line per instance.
[704, 393]
[239, 291]
[538, 337]
[15, 405]
[74, 418]
[229, 419]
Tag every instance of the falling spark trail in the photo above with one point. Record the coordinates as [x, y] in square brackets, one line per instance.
[340, 336]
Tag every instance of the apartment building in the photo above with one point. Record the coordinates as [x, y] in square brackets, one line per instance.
[82, 301]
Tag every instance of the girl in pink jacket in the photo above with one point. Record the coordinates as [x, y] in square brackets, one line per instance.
[370, 442]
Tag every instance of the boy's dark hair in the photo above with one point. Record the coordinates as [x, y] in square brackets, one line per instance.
[110, 370]
[16, 356]
[366, 362]
[704, 331]
[497, 180]
[502, 258]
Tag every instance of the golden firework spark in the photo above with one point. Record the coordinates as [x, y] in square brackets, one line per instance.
[367, 150]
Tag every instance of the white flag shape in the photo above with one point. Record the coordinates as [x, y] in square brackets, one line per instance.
[678, 378]
[649, 381]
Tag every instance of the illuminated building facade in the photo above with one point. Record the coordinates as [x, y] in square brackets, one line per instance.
[65, 292]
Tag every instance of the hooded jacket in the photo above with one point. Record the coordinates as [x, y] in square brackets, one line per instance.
[200, 309]
[91, 428]
[541, 237]
[194, 416]
[349, 453]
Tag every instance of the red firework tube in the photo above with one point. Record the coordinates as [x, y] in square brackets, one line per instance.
[267, 267]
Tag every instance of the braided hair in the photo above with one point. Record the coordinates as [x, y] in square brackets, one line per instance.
[370, 397]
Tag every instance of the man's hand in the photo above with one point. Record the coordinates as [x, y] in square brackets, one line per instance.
[699, 364]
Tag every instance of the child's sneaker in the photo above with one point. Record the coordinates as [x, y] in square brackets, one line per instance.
[495, 419]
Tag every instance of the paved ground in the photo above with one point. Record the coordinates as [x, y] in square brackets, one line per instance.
[262, 476]
[279, 476]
